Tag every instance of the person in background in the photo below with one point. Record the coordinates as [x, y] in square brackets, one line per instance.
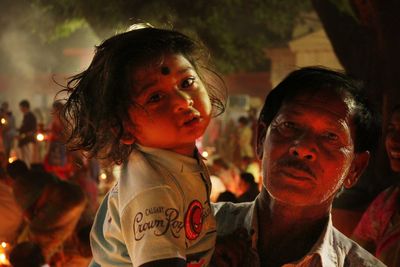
[11, 214]
[217, 187]
[27, 134]
[379, 228]
[27, 254]
[81, 174]
[51, 207]
[245, 134]
[229, 175]
[57, 160]
[248, 188]
[144, 101]
[252, 165]
[315, 132]
[8, 128]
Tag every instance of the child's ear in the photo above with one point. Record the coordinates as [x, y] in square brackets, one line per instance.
[127, 137]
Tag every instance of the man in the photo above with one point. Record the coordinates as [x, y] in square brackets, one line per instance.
[51, 207]
[229, 175]
[314, 136]
[248, 188]
[8, 129]
[11, 214]
[27, 133]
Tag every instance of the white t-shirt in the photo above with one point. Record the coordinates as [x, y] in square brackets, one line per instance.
[332, 248]
[159, 209]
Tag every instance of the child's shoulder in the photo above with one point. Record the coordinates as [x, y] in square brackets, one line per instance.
[142, 174]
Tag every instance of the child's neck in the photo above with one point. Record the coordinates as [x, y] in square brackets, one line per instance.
[187, 150]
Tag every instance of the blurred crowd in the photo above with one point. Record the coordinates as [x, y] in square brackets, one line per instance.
[49, 195]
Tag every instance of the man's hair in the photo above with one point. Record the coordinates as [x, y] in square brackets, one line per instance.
[314, 79]
[100, 96]
[24, 103]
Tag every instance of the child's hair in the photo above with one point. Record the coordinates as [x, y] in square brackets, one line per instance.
[100, 96]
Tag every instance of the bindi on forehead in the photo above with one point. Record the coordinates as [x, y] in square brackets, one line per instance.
[165, 70]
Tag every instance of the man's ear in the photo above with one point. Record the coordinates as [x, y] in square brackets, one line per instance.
[358, 166]
[261, 132]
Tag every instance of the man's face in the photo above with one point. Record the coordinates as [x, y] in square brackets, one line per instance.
[308, 149]
[23, 109]
[392, 141]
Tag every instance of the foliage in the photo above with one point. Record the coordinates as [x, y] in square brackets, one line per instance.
[344, 6]
[235, 31]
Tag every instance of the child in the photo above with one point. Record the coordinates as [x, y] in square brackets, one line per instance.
[143, 100]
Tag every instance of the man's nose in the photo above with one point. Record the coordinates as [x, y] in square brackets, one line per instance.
[182, 100]
[304, 148]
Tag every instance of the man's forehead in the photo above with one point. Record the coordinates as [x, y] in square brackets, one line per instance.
[336, 103]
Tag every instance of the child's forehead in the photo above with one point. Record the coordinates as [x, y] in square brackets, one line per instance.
[164, 65]
[161, 69]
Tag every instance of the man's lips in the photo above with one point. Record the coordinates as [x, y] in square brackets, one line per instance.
[395, 154]
[297, 174]
[296, 168]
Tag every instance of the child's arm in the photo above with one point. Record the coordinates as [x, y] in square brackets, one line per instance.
[174, 262]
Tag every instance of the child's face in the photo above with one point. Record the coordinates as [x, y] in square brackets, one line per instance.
[174, 107]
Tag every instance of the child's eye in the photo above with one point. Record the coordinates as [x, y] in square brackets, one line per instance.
[154, 98]
[187, 82]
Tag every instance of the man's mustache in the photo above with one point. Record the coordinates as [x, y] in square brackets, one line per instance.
[297, 164]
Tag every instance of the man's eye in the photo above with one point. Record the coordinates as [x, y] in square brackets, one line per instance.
[187, 82]
[331, 136]
[288, 128]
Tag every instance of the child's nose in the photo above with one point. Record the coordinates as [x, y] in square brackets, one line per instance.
[182, 101]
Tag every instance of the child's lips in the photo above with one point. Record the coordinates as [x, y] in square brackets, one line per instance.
[192, 120]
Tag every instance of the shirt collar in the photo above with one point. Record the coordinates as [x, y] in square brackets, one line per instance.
[323, 249]
[173, 161]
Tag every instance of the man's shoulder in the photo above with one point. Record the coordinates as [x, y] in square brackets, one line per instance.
[224, 208]
[230, 216]
[353, 254]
